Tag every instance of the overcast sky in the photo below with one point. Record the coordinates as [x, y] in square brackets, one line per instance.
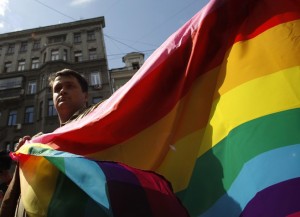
[131, 25]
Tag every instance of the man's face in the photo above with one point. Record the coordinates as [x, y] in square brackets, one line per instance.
[68, 97]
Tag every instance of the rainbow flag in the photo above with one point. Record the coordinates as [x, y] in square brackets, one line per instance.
[215, 110]
[64, 184]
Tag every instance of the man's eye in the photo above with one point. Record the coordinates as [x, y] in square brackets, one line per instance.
[57, 89]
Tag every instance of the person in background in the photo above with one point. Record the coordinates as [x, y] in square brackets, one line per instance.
[5, 175]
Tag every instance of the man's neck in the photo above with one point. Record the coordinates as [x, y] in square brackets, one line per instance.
[68, 120]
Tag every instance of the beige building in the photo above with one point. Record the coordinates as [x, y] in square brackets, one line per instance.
[28, 57]
[119, 76]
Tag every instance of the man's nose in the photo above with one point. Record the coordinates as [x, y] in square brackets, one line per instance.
[62, 90]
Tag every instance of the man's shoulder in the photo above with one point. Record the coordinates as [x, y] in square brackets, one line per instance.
[83, 112]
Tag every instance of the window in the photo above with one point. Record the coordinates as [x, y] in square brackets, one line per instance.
[56, 39]
[92, 54]
[28, 117]
[78, 56]
[54, 55]
[77, 37]
[43, 82]
[65, 55]
[21, 65]
[119, 82]
[12, 118]
[95, 79]
[135, 65]
[36, 45]
[31, 88]
[7, 67]
[23, 47]
[95, 100]
[91, 35]
[51, 109]
[35, 63]
[11, 49]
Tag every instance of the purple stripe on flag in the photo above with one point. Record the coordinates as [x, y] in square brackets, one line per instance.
[126, 195]
[278, 200]
[116, 172]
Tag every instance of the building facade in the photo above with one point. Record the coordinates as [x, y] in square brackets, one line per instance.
[119, 76]
[28, 57]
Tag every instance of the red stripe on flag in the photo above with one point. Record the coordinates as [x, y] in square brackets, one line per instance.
[296, 214]
[196, 48]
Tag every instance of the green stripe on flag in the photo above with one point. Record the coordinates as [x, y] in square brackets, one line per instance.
[215, 171]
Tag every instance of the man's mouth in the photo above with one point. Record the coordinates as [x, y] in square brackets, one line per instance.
[62, 99]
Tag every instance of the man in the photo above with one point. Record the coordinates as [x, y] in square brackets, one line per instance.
[70, 97]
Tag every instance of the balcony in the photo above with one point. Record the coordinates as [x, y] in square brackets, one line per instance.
[11, 94]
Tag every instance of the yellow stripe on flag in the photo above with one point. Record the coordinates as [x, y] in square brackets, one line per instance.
[274, 50]
[266, 95]
[37, 191]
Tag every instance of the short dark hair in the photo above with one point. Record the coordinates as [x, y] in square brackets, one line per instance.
[69, 72]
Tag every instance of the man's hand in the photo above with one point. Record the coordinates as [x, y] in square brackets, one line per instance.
[22, 141]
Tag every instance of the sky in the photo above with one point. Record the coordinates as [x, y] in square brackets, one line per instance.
[130, 25]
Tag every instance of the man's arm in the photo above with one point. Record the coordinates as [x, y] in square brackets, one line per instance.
[11, 196]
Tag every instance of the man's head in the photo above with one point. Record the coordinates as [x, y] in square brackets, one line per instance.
[69, 91]
[69, 72]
